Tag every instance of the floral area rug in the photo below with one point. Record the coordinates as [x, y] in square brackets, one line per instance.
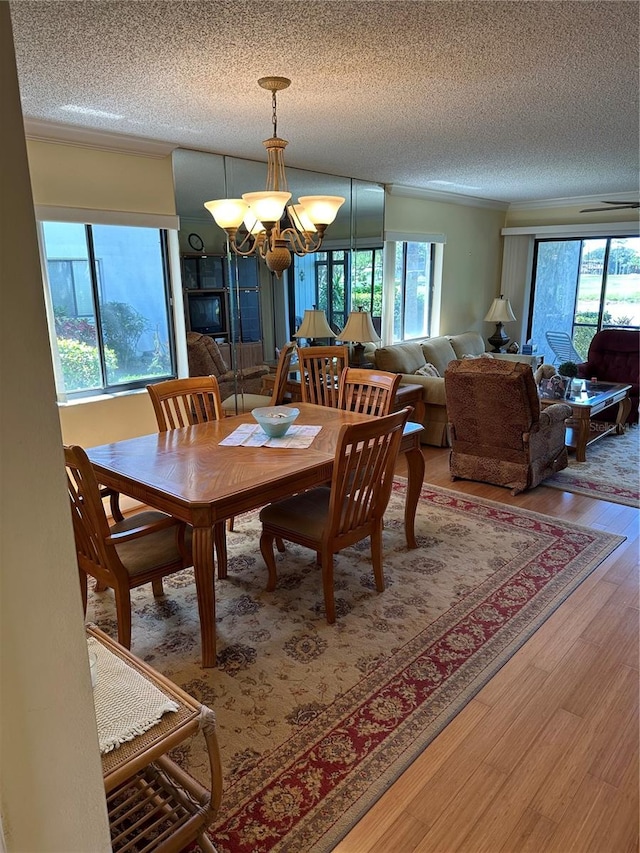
[611, 472]
[316, 720]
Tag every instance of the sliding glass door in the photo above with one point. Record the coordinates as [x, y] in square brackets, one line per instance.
[583, 285]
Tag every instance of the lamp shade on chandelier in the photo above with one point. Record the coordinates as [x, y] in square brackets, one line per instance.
[264, 223]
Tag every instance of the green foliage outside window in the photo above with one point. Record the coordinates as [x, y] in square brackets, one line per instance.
[122, 326]
[80, 364]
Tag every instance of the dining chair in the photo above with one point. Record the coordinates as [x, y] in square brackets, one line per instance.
[241, 403]
[329, 518]
[143, 548]
[182, 402]
[370, 392]
[320, 371]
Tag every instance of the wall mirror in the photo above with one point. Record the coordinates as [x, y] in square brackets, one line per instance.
[260, 312]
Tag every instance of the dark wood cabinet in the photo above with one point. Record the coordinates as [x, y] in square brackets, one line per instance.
[223, 300]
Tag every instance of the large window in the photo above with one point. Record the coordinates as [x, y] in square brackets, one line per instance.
[583, 285]
[109, 294]
[413, 291]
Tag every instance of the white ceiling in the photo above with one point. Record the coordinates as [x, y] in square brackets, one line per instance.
[511, 101]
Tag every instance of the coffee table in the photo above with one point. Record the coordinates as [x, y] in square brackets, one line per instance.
[596, 397]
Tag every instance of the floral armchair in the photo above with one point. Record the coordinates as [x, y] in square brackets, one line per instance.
[498, 433]
[205, 359]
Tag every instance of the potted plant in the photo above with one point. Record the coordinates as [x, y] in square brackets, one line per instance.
[569, 369]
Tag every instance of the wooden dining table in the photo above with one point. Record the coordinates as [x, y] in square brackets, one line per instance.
[186, 473]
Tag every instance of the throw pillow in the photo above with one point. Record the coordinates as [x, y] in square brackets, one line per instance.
[427, 370]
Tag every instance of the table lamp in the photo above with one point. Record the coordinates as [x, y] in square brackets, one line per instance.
[359, 330]
[499, 313]
[314, 325]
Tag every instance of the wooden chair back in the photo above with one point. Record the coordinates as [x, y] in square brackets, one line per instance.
[370, 392]
[282, 373]
[320, 371]
[330, 519]
[362, 478]
[90, 526]
[182, 402]
[97, 543]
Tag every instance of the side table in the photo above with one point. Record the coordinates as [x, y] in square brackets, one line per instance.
[152, 803]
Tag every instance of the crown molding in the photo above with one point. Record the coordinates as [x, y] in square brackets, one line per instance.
[576, 201]
[439, 195]
[83, 137]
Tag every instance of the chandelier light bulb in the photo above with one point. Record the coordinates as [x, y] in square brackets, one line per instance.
[253, 225]
[321, 209]
[300, 218]
[267, 206]
[227, 212]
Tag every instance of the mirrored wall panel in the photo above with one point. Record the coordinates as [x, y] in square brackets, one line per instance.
[238, 302]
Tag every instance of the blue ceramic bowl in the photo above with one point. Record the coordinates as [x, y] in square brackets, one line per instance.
[275, 420]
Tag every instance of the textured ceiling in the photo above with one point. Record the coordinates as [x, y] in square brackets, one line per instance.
[511, 101]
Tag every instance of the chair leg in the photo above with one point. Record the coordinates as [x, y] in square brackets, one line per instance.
[123, 615]
[83, 589]
[100, 587]
[230, 524]
[158, 589]
[280, 545]
[376, 558]
[266, 549]
[327, 586]
[220, 542]
[116, 512]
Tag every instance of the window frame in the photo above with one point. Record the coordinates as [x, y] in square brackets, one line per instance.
[599, 324]
[403, 244]
[107, 388]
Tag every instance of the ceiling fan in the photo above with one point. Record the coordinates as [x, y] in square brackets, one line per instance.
[615, 205]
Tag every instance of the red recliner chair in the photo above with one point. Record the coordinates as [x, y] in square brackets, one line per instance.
[614, 356]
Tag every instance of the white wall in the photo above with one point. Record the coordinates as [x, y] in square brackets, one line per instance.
[472, 255]
[71, 176]
[51, 790]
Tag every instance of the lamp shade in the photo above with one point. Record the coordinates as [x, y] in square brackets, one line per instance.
[500, 311]
[267, 206]
[314, 325]
[359, 328]
[321, 209]
[227, 212]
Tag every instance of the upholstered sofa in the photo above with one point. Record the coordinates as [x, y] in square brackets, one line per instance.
[498, 432]
[614, 356]
[205, 359]
[407, 358]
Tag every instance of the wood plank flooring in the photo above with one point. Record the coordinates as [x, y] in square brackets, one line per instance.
[545, 757]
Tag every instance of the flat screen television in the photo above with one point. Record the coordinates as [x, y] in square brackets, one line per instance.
[207, 313]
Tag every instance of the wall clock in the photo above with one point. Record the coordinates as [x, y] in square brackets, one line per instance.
[195, 241]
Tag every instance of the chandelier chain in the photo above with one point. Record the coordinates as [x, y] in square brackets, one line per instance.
[274, 115]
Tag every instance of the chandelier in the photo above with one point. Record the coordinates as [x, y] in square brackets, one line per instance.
[263, 223]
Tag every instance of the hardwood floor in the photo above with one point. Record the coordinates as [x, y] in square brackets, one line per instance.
[545, 757]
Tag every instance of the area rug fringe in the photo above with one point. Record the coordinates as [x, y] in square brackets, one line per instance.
[316, 721]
